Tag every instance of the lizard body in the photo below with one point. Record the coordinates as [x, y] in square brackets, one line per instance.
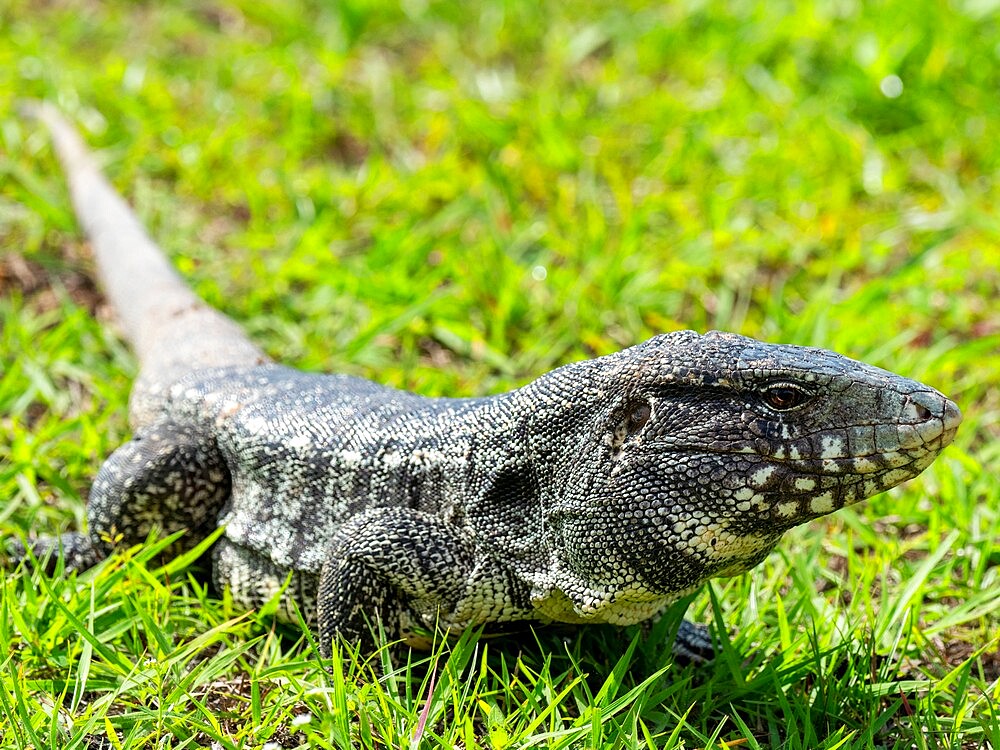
[600, 492]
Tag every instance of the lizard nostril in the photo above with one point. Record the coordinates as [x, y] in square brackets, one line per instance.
[922, 412]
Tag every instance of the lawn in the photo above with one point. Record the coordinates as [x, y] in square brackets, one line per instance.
[454, 198]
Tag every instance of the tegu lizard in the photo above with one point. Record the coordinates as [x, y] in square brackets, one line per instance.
[600, 492]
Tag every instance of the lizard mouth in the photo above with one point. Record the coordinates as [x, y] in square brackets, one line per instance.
[863, 465]
[793, 496]
[874, 451]
[932, 423]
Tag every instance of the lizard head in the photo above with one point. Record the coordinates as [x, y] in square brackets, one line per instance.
[705, 449]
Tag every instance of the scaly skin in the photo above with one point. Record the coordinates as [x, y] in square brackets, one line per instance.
[601, 492]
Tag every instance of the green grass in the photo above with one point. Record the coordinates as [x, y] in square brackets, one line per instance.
[454, 198]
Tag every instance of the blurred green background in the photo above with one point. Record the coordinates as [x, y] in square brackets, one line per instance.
[456, 197]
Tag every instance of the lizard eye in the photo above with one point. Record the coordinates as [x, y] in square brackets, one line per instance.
[638, 416]
[783, 397]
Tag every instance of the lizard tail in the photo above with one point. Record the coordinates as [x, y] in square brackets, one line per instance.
[172, 330]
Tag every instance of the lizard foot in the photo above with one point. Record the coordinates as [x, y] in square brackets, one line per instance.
[78, 551]
[693, 644]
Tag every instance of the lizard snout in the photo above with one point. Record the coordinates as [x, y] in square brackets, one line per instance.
[931, 421]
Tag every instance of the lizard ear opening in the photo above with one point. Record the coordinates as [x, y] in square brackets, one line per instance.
[634, 415]
[637, 416]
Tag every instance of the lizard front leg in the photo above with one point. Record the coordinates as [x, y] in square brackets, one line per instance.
[389, 565]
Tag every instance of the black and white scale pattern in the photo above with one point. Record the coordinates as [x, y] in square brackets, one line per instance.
[600, 492]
